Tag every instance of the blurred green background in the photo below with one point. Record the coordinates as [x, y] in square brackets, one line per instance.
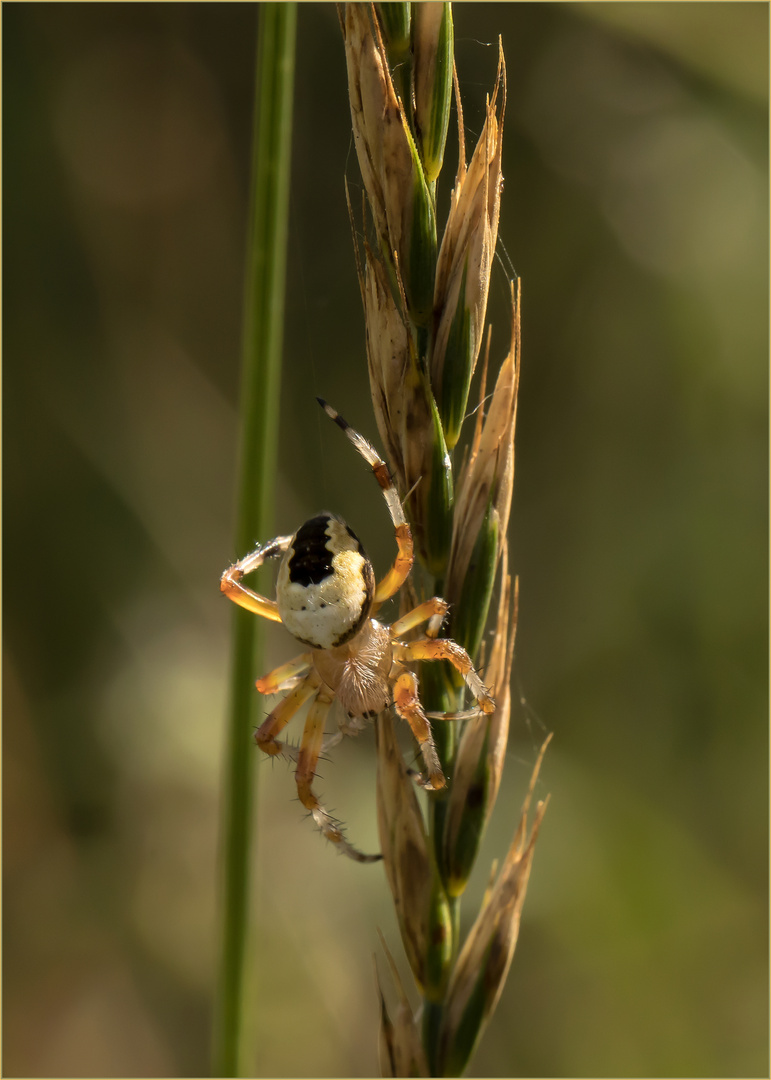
[635, 210]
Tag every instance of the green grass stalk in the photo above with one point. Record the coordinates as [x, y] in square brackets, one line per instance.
[265, 279]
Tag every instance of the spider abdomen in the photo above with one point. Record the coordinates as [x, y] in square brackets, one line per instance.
[326, 583]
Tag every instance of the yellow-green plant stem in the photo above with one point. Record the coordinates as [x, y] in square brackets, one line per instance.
[438, 696]
[265, 277]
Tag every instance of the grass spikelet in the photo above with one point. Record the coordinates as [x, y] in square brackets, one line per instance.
[425, 303]
[465, 264]
[401, 1049]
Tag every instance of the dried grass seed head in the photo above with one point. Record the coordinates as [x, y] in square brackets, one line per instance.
[389, 359]
[401, 1049]
[432, 46]
[480, 973]
[486, 482]
[464, 266]
[402, 207]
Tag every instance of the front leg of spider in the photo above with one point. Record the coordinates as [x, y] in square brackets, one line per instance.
[231, 582]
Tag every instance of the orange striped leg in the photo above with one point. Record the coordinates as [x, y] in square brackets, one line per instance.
[434, 609]
[307, 760]
[286, 676]
[276, 721]
[231, 582]
[400, 570]
[407, 705]
[445, 649]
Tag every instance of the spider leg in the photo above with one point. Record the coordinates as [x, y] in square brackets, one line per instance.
[407, 705]
[278, 718]
[352, 726]
[231, 582]
[400, 570]
[433, 610]
[465, 714]
[446, 649]
[285, 677]
[307, 760]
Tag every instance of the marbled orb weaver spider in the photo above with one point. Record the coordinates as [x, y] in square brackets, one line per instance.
[326, 597]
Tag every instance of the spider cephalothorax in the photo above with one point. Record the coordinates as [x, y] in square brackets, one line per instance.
[326, 596]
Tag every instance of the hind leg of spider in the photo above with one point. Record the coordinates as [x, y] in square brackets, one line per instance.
[446, 649]
[307, 761]
[407, 705]
[231, 582]
[278, 718]
[400, 570]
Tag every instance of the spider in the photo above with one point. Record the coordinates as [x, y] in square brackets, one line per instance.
[326, 596]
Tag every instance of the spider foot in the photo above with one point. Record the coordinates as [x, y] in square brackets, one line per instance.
[271, 747]
[435, 782]
[287, 751]
[433, 779]
[332, 829]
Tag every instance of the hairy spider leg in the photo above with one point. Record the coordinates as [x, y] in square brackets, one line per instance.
[278, 718]
[433, 610]
[288, 677]
[307, 761]
[407, 705]
[231, 582]
[400, 570]
[446, 649]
